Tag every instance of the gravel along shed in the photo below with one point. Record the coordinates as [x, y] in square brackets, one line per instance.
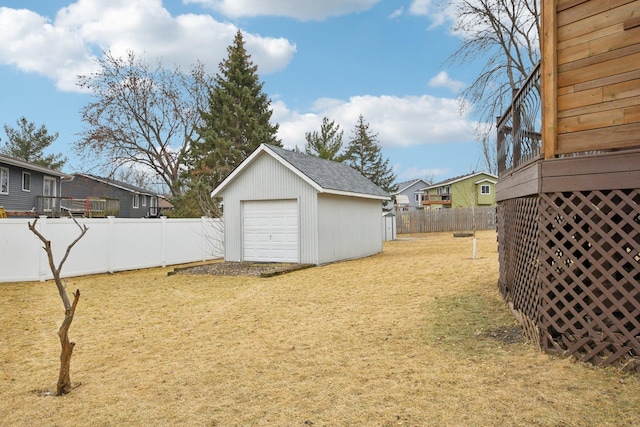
[282, 206]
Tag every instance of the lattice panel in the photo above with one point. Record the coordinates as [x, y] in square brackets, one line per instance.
[518, 243]
[590, 275]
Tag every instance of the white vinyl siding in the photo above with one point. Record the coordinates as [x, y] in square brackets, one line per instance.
[349, 227]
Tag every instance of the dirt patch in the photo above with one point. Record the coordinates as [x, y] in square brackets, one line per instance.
[228, 268]
[507, 334]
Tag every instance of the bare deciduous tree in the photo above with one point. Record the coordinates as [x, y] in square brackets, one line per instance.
[505, 36]
[142, 114]
[64, 378]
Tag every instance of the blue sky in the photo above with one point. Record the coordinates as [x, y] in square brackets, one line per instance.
[384, 59]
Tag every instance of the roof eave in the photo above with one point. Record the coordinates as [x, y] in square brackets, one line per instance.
[462, 178]
[32, 167]
[113, 184]
[352, 194]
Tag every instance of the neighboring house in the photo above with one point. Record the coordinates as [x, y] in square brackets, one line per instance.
[474, 189]
[134, 202]
[413, 190]
[27, 189]
[282, 206]
[164, 205]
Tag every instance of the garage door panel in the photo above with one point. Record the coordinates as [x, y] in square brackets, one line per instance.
[270, 231]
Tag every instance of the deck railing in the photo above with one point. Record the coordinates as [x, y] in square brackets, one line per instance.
[90, 207]
[519, 128]
[431, 199]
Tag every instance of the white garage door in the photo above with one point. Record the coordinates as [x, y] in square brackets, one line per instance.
[270, 230]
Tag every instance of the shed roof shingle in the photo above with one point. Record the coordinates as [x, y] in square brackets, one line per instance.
[328, 174]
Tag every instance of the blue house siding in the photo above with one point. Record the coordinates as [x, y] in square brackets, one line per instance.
[409, 189]
[18, 200]
[82, 186]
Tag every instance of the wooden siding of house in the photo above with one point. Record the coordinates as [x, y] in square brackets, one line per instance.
[23, 201]
[348, 227]
[568, 225]
[593, 77]
[268, 179]
[466, 193]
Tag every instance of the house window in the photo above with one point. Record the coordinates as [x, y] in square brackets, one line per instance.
[136, 201]
[438, 191]
[447, 190]
[485, 189]
[418, 198]
[144, 200]
[4, 181]
[26, 181]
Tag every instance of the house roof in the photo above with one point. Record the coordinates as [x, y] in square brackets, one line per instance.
[117, 184]
[30, 166]
[164, 203]
[460, 178]
[325, 176]
[402, 186]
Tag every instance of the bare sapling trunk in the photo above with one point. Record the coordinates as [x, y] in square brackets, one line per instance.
[473, 226]
[64, 378]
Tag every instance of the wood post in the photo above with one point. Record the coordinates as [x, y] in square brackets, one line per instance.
[549, 78]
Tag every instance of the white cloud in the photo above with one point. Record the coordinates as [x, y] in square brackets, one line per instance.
[312, 10]
[438, 11]
[442, 79]
[64, 48]
[399, 122]
[397, 13]
[33, 44]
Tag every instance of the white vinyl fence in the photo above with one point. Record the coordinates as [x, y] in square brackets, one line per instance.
[110, 244]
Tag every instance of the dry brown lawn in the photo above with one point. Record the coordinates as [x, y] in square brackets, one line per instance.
[404, 338]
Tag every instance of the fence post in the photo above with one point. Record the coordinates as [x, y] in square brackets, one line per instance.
[203, 238]
[110, 244]
[42, 261]
[163, 240]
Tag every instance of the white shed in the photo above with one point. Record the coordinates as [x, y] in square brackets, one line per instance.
[388, 226]
[283, 206]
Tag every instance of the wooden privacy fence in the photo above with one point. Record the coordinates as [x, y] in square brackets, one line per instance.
[434, 220]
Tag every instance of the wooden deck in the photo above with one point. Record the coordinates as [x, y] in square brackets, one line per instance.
[603, 171]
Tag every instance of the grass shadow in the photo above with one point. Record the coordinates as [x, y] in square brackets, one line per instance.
[471, 323]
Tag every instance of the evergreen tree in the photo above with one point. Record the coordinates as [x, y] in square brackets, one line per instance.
[364, 155]
[236, 122]
[326, 144]
[28, 143]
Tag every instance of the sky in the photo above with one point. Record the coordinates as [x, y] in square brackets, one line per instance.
[384, 59]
